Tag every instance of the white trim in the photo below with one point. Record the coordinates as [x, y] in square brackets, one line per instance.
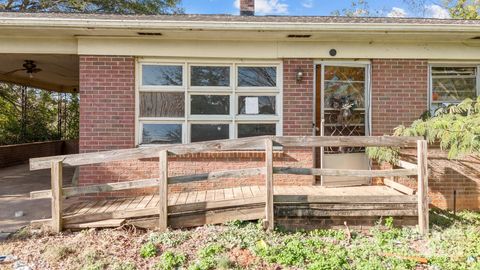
[233, 91]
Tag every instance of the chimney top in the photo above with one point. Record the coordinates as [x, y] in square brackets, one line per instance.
[247, 7]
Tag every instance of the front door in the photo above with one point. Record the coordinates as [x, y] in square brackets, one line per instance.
[341, 109]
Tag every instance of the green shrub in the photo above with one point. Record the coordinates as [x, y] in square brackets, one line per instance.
[170, 261]
[148, 250]
[209, 258]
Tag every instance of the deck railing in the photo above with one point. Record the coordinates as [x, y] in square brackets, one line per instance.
[56, 163]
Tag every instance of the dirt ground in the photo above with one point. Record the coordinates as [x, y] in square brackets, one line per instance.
[15, 184]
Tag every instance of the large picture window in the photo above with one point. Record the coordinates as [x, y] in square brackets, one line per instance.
[452, 84]
[184, 102]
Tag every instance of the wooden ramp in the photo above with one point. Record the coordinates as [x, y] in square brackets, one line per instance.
[245, 202]
[189, 209]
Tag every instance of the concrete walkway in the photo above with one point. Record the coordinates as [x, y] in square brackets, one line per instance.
[15, 184]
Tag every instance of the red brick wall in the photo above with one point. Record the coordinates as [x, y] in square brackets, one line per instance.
[107, 93]
[297, 97]
[399, 96]
[107, 109]
[399, 93]
[447, 176]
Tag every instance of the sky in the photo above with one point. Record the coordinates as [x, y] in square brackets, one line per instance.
[388, 8]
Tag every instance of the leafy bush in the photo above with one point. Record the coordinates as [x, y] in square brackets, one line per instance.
[148, 250]
[456, 127]
[170, 261]
[208, 257]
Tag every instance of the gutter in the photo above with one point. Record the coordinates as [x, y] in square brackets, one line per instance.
[43, 23]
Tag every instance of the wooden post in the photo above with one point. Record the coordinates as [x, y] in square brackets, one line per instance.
[56, 177]
[163, 190]
[422, 186]
[269, 184]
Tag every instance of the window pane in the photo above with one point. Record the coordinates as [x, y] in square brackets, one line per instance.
[210, 76]
[162, 75]
[257, 76]
[209, 132]
[250, 130]
[256, 105]
[340, 94]
[338, 73]
[453, 84]
[157, 104]
[161, 133]
[210, 104]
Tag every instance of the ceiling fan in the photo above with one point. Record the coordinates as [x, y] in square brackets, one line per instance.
[29, 67]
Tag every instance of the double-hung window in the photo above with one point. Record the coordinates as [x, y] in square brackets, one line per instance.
[451, 84]
[184, 102]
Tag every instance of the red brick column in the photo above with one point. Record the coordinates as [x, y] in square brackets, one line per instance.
[298, 113]
[298, 97]
[399, 93]
[107, 108]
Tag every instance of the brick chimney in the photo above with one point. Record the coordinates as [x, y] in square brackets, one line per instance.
[247, 7]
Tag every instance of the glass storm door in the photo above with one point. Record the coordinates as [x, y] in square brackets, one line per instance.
[341, 109]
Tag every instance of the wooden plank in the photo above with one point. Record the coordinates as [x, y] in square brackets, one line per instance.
[219, 195]
[407, 165]
[146, 200]
[346, 141]
[221, 145]
[344, 199]
[228, 194]
[143, 183]
[108, 223]
[57, 198]
[269, 185]
[397, 186]
[125, 204]
[242, 173]
[199, 219]
[173, 209]
[192, 196]
[135, 202]
[147, 152]
[72, 191]
[237, 193]
[182, 198]
[344, 172]
[201, 196]
[422, 186]
[86, 207]
[247, 192]
[163, 191]
[289, 211]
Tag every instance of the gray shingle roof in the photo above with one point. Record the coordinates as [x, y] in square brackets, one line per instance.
[234, 18]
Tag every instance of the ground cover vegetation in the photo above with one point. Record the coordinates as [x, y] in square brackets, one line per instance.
[453, 243]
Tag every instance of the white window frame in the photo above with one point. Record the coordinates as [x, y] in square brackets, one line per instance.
[233, 119]
[449, 64]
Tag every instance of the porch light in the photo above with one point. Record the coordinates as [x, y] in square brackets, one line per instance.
[299, 75]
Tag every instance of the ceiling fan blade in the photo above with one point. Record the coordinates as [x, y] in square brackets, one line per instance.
[35, 70]
[13, 71]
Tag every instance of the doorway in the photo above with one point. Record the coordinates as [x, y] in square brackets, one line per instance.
[342, 100]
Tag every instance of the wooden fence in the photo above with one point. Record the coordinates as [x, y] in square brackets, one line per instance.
[56, 164]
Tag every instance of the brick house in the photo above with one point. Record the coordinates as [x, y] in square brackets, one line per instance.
[163, 79]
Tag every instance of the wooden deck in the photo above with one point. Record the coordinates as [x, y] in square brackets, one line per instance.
[246, 202]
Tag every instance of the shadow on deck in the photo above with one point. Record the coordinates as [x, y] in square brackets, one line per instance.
[190, 209]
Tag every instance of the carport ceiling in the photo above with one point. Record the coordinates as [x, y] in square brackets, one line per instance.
[58, 72]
